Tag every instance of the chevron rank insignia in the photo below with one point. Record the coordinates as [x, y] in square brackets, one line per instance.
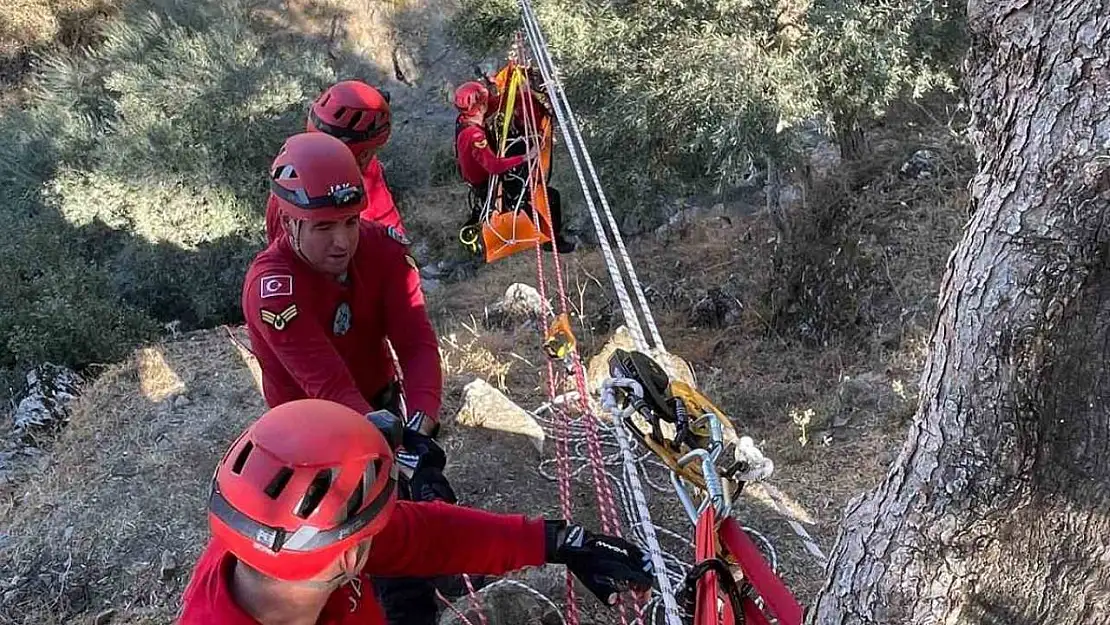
[279, 320]
[397, 235]
[480, 144]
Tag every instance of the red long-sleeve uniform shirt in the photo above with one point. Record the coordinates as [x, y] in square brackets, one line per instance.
[316, 337]
[420, 540]
[477, 161]
[380, 207]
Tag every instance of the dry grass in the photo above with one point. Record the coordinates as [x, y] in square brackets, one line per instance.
[127, 481]
[860, 389]
[33, 26]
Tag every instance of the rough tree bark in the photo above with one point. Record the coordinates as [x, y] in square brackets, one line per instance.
[997, 510]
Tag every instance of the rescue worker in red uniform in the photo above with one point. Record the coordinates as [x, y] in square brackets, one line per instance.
[478, 162]
[303, 512]
[359, 115]
[320, 304]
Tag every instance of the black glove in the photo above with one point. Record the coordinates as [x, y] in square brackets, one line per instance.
[429, 484]
[389, 425]
[416, 420]
[420, 451]
[606, 565]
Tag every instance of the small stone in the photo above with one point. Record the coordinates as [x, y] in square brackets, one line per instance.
[181, 401]
[521, 305]
[169, 565]
[104, 617]
[68, 534]
[485, 406]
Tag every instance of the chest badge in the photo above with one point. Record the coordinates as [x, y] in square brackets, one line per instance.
[342, 322]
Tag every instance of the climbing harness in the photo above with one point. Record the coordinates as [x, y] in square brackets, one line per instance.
[515, 214]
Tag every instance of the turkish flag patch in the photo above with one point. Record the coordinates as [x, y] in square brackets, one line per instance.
[274, 286]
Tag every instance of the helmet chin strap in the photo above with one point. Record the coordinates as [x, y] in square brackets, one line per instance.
[294, 232]
[344, 576]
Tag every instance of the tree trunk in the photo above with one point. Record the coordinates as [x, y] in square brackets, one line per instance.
[997, 510]
[849, 136]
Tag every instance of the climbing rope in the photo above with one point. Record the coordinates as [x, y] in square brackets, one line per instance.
[619, 495]
[565, 115]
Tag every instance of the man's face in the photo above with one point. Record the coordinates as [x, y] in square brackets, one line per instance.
[329, 246]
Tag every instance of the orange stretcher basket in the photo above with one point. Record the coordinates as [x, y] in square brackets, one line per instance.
[512, 230]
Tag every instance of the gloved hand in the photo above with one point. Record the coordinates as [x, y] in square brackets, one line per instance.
[606, 565]
[429, 484]
[420, 422]
[420, 451]
[389, 425]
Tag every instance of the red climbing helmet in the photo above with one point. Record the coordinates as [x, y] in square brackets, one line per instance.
[316, 177]
[304, 483]
[353, 112]
[470, 96]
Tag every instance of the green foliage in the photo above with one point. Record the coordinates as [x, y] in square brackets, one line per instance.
[133, 186]
[867, 54]
[698, 95]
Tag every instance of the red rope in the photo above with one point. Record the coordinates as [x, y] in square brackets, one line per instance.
[610, 520]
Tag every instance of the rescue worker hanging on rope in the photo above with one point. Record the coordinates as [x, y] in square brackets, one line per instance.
[478, 162]
[359, 115]
[303, 513]
[320, 304]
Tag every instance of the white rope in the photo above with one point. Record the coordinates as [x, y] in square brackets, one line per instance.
[637, 490]
[546, 68]
[539, 45]
[629, 489]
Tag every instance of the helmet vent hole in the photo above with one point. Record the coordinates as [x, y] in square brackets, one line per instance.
[276, 485]
[285, 172]
[340, 112]
[315, 494]
[355, 119]
[354, 504]
[241, 459]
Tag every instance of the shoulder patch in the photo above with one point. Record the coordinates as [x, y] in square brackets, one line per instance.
[275, 286]
[411, 261]
[397, 235]
[280, 320]
[481, 143]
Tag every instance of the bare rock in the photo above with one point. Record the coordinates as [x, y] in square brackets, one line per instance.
[430, 285]
[716, 309]
[521, 305]
[598, 369]
[507, 602]
[680, 223]
[181, 401]
[923, 164]
[168, 565]
[45, 398]
[486, 407]
[104, 617]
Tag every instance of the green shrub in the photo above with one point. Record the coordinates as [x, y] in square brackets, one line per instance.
[690, 96]
[133, 185]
